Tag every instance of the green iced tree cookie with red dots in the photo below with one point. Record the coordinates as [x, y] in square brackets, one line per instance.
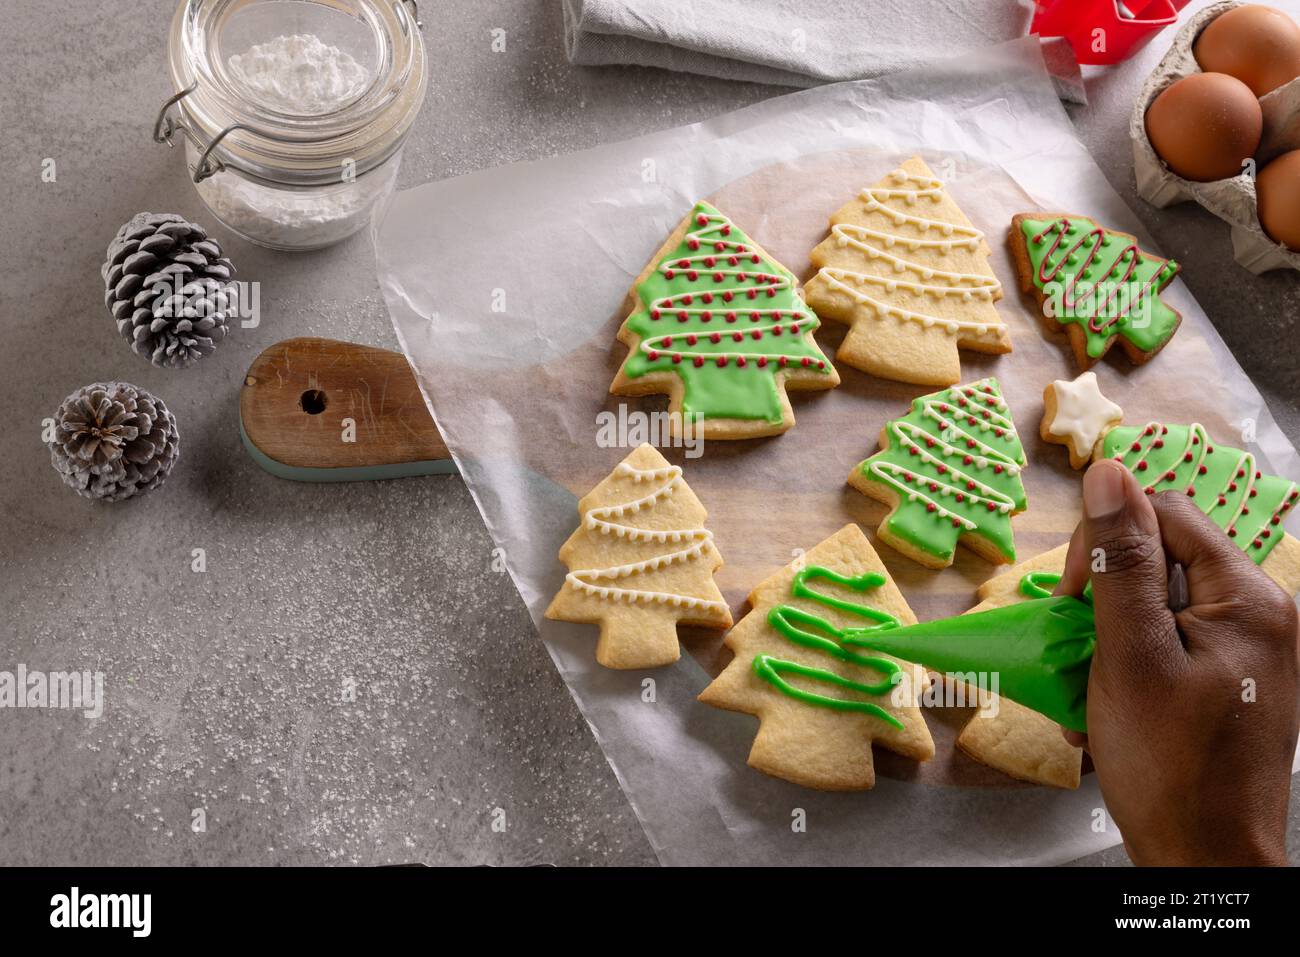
[950, 470]
[720, 326]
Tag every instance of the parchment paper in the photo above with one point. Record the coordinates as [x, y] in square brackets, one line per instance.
[504, 287]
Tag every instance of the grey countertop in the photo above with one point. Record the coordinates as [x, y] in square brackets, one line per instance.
[227, 690]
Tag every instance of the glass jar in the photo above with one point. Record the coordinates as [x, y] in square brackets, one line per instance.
[295, 141]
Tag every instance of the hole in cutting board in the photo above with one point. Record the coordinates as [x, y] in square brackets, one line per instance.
[312, 401]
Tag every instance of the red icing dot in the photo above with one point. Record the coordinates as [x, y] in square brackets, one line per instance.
[941, 468]
[710, 261]
[652, 354]
[913, 450]
[702, 219]
[1148, 431]
[1136, 447]
[934, 486]
[755, 316]
[693, 243]
[715, 337]
[970, 485]
[931, 507]
[960, 496]
[1159, 443]
[699, 361]
[731, 317]
[1202, 470]
[782, 361]
[654, 314]
[668, 274]
[956, 523]
[707, 297]
[754, 258]
[677, 357]
[692, 275]
[740, 361]
[805, 362]
[776, 330]
[667, 341]
[722, 361]
[1232, 533]
[1169, 476]
[997, 469]
[1258, 544]
[757, 334]
[691, 340]
[967, 460]
[683, 264]
[751, 293]
[1222, 500]
[728, 295]
[717, 277]
[737, 336]
[705, 316]
[1142, 466]
[762, 361]
[992, 506]
[771, 293]
[1187, 457]
[1191, 492]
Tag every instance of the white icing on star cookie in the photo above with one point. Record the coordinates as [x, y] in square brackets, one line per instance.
[1082, 415]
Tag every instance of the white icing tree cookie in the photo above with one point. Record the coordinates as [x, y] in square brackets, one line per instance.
[907, 272]
[640, 563]
[821, 700]
[1078, 416]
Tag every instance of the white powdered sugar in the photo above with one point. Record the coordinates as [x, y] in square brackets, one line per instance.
[303, 75]
[299, 74]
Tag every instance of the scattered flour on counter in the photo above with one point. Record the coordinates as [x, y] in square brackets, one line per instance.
[299, 74]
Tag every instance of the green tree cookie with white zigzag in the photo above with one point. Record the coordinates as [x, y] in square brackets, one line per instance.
[721, 327]
[950, 470]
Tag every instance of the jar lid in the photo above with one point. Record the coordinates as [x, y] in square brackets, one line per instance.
[293, 93]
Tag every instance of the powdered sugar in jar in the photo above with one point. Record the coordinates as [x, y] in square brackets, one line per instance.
[294, 112]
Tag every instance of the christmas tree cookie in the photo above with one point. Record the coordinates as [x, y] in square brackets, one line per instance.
[720, 326]
[1096, 284]
[640, 563]
[907, 272]
[1224, 482]
[950, 472]
[1005, 735]
[821, 701]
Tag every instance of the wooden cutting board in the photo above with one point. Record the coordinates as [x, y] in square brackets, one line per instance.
[320, 410]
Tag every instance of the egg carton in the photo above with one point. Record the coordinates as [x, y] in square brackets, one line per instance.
[1232, 200]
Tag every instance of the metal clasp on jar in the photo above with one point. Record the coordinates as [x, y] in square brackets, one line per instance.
[165, 126]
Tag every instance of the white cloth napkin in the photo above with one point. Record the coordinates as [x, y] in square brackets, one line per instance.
[799, 42]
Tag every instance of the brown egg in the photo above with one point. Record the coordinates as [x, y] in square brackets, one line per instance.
[1258, 45]
[1278, 191]
[1205, 126]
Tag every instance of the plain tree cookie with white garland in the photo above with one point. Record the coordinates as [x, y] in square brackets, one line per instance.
[720, 327]
[640, 563]
[909, 274]
[1078, 416]
[822, 701]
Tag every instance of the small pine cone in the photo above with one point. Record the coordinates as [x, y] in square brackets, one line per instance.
[113, 440]
[168, 287]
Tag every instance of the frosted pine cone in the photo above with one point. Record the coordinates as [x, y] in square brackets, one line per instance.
[113, 440]
[168, 287]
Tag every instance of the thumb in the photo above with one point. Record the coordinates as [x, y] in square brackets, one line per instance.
[1136, 631]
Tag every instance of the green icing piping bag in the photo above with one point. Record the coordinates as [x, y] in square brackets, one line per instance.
[1041, 651]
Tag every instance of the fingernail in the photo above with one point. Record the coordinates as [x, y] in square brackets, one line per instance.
[1103, 490]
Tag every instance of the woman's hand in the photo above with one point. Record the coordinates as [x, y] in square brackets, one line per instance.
[1193, 701]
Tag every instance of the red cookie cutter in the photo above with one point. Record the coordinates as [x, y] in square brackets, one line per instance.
[1104, 31]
